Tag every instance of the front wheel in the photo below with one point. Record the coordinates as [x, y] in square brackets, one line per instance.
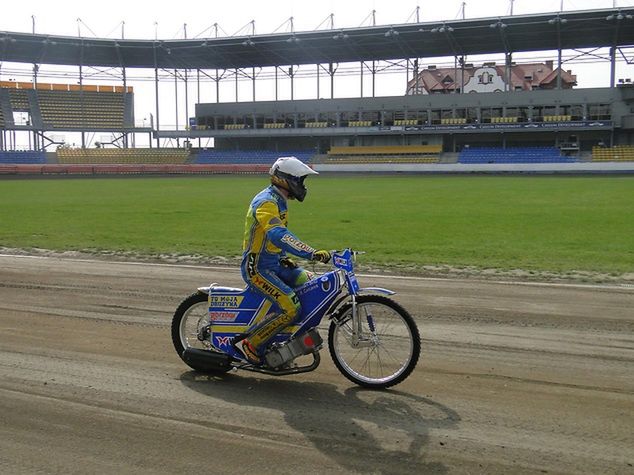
[378, 351]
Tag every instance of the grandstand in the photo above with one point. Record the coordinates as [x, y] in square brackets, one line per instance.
[122, 156]
[76, 110]
[384, 154]
[22, 157]
[617, 153]
[532, 114]
[68, 106]
[513, 155]
[263, 157]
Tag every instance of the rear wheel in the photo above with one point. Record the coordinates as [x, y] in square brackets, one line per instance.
[189, 328]
[386, 346]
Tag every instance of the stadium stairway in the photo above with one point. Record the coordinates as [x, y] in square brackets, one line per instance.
[36, 112]
[128, 115]
[5, 108]
[448, 157]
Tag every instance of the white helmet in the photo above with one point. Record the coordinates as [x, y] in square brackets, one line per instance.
[289, 173]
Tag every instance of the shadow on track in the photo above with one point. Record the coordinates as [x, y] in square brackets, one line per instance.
[361, 430]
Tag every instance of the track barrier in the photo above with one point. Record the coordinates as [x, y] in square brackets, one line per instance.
[60, 169]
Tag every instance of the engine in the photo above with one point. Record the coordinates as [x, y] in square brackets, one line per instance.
[299, 345]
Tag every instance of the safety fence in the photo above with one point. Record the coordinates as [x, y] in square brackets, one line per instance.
[193, 169]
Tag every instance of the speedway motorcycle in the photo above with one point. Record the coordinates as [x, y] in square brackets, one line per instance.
[373, 341]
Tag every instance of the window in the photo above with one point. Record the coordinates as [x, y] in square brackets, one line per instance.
[21, 118]
[485, 78]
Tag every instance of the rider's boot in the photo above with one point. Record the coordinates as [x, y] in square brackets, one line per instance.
[257, 338]
[250, 352]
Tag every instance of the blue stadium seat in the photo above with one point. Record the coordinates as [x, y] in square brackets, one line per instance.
[249, 157]
[513, 155]
[22, 157]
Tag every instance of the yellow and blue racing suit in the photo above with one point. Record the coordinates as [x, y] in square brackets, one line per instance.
[266, 242]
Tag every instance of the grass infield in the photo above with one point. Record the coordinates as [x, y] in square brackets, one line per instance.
[550, 223]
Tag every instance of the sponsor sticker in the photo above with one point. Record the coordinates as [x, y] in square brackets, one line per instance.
[340, 262]
[305, 290]
[265, 286]
[226, 301]
[223, 316]
[296, 243]
[223, 340]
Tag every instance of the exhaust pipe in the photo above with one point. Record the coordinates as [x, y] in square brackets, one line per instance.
[204, 360]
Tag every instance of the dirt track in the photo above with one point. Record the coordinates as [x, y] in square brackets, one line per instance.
[515, 378]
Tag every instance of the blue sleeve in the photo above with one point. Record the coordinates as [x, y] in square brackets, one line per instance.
[287, 241]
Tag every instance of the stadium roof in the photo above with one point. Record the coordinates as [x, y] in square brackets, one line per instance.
[521, 33]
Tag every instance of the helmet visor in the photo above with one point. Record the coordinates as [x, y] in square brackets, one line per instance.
[296, 187]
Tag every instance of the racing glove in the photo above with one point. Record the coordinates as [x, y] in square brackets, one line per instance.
[288, 262]
[321, 256]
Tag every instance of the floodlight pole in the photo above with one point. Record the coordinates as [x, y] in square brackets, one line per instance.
[236, 84]
[291, 73]
[217, 87]
[253, 72]
[373, 77]
[125, 92]
[198, 96]
[406, 73]
[176, 102]
[125, 95]
[81, 91]
[612, 66]
[186, 85]
[156, 96]
[331, 71]
[416, 78]
[217, 75]
[558, 22]
[509, 71]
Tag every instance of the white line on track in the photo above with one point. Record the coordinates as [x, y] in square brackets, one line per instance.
[374, 276]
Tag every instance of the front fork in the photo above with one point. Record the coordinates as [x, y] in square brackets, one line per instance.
[358, 339]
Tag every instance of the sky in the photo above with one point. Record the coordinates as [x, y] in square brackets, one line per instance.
[104, 18]
[169, 20]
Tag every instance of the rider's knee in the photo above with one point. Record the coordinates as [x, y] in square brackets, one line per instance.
[303, 276]
[291, 306]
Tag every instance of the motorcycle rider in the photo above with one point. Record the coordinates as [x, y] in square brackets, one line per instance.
[267, 240]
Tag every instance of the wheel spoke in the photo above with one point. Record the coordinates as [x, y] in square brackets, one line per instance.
[194, 318]
[392, 351]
